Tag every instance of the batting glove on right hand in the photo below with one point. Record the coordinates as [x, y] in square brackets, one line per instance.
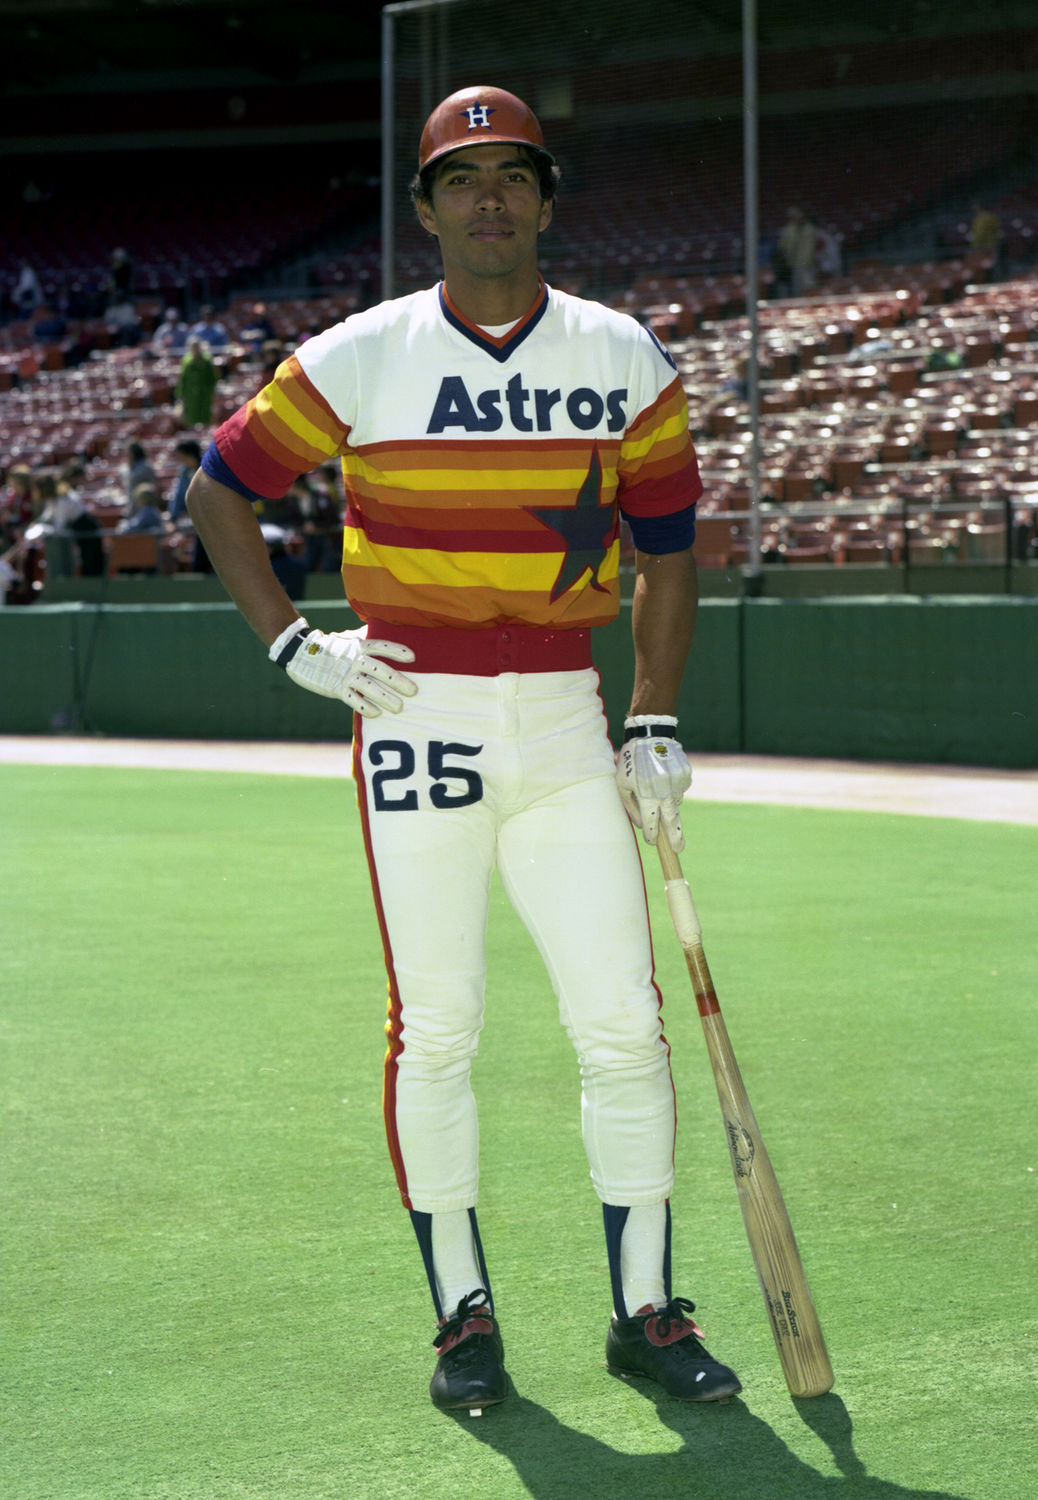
[653, 775]
[346, 665]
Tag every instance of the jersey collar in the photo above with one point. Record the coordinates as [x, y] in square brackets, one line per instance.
[503, 348]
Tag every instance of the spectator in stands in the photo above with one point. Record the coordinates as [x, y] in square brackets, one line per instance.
[120, 312]
[122, 321]
[57, 504]
[289, 571]
[196, 385]
[82, 525]
[985, 230]
[329, 479]
[781, 275]
[80, 346]
[171, 335]
[19, 565]
[321, 520]
[44, 492]
[146, 514]
[86, 530]
[189, 453]
[260, 330]
[120, 277]
[56, 501]
[796, 244]
[10, 573]
[943, 357]
[271, 356]
[986, 237]
[209, 330]
[50, 327]
[138, 469]
[23, 535]
[27, 294]
[1025, 532]
[72, 479]
[16, 505]
[285, 512]
[828, 253]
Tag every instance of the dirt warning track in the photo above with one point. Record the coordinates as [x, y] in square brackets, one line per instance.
[979, 794]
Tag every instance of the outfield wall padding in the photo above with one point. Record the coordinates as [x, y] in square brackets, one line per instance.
[940, 680]
[943, 679]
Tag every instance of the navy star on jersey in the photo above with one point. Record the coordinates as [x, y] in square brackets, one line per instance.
[586, 528]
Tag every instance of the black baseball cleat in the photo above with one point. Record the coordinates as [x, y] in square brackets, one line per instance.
[470, 1372]
[664, 1345]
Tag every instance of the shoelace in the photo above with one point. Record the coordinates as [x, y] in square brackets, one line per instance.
[469, 1307]
[675, 1312]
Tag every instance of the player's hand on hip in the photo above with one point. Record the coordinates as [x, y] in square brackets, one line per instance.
[345, 664]
[653, 775]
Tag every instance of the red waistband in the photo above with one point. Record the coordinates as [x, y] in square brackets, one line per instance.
[488, 650]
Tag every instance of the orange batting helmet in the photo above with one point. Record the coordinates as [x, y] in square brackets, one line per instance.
[480, 116]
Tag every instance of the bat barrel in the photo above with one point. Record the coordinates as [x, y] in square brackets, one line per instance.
[787, 1296]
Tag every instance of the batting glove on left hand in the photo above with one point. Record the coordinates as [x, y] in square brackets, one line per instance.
[653, 775]
[346, 665]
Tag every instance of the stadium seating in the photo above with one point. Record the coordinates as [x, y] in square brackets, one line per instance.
[181, 252]
[899, 413]
[133, 553]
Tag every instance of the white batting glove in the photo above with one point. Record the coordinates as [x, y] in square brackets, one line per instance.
[653, 775]
[346, 665]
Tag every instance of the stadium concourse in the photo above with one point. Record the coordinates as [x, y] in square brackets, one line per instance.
[975, 794]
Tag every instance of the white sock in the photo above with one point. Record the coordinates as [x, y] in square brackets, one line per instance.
[454, 1258]
[641, 1257]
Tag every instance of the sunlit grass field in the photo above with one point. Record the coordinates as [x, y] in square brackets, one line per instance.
[210, 1289]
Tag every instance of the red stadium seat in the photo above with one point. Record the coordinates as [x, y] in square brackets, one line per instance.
[133, 553]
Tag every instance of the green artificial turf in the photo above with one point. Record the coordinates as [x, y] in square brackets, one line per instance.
[209, 1286]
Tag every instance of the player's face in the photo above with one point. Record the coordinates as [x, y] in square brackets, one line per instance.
[486, 211]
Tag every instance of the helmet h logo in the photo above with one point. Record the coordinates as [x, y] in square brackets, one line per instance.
[479, 116]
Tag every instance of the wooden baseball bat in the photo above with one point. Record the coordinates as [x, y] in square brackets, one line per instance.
[787, 1297]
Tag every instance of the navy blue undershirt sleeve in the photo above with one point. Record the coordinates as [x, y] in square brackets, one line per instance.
[659, 535]
[214, 466]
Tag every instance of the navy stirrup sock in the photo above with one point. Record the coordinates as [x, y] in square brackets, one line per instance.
[423, 1228]
[615, 1218]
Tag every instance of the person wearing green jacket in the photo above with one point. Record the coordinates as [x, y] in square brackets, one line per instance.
[196, 385]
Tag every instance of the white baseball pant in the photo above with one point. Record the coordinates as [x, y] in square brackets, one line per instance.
[513, 771]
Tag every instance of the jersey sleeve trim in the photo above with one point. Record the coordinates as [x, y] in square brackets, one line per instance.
[658, 469]
[214, 466]
[287, 429]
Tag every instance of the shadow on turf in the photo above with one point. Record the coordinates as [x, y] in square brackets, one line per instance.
[727, 1452]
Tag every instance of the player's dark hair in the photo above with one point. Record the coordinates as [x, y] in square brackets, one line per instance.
[548, 176]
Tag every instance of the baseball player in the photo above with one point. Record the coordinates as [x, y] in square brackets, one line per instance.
[492, 432]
